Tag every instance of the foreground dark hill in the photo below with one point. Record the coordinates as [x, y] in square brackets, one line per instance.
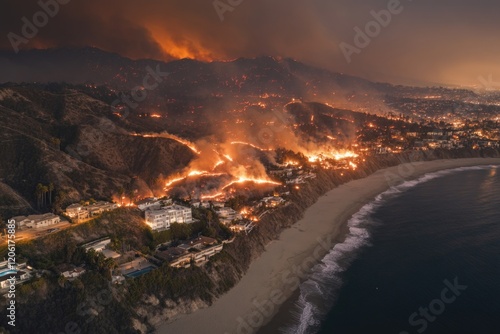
[65, 137]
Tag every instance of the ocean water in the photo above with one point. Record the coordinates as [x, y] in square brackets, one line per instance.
[423, 257]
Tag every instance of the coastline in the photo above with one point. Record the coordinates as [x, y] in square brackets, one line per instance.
[275, 276]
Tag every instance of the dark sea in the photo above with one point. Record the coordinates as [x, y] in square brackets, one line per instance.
[423, 257]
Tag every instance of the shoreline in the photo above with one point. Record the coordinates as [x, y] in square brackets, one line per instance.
[274, 277]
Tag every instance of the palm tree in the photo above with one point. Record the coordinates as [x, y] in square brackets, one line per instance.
[45, 190]
[38, 192]
[51, 189]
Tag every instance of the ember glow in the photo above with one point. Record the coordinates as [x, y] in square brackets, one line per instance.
[335, 155]
[174, 180]
[211, 197]
[216, 168]
[218, 163]
[180, 140]
[242, 180]
[251, 145]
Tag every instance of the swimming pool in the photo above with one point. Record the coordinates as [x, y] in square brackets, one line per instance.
[138, 273]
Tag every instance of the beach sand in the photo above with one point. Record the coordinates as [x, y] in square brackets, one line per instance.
[275, 275]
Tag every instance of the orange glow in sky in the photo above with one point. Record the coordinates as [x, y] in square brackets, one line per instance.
[178, 49]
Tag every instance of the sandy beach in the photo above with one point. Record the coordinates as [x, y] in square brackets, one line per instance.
[276, 274]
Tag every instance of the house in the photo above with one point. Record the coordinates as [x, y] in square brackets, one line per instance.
[175, 256]
[195, 204]
[272, 202]
[242, 226]
[162, 219]
[204, 204]
[97, 245]
[148, 203]
[70, 271]
[77, 211]
[21, 276]
[227, 215]
[21, 221]
[100, 247]
[100, 207]
[22, 273]
[202, 248]
[196, 251]
[37, 221]
[44, 220]
[157, 220]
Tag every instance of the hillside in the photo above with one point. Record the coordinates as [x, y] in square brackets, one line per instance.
[65, 137]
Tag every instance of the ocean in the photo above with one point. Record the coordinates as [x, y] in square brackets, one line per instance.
[423, 257]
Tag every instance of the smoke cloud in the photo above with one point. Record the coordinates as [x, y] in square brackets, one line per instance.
[448, 41]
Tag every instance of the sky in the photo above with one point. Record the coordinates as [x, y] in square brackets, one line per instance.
[451, 42]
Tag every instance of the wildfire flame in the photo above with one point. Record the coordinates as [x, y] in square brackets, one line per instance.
[218, 163]
[337, 155]
[167, 135]
[252, 145]
[241, 180]
[209, 197]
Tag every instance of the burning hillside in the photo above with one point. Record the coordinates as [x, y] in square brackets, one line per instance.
[239, 155]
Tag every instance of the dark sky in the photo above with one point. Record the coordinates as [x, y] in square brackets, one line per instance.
[433, 41]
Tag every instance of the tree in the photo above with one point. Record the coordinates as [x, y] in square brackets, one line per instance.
[108, 266]
[38, 193]
[180, 231]
[45, 190]
[61, 280]
[210, 216]
[59, 200]
[51, 189]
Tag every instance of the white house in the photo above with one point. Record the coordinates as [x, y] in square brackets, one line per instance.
[100, 207]
[97, 245]
[69, 271]
[227, 215]
[84, 211]
[21, 221]
[161, 219]
[37, 221]
[77, 211]
[148, 203]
